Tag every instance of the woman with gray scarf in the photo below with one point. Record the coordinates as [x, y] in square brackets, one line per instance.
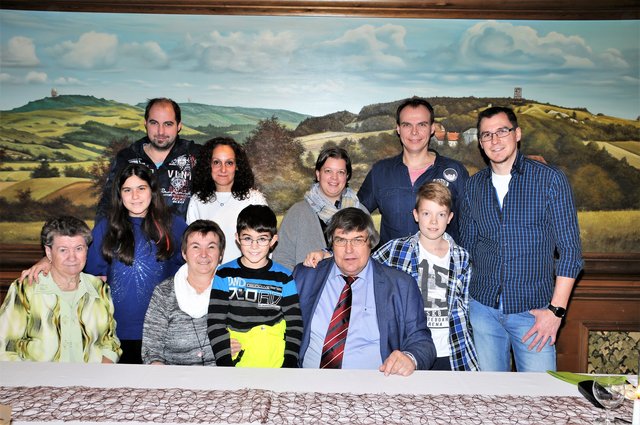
[302, 228]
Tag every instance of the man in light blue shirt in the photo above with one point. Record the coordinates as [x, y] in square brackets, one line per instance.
[387, 329]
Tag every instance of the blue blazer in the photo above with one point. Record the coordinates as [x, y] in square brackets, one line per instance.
[399, 309]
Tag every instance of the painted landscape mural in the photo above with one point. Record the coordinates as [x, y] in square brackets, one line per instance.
[73, 88]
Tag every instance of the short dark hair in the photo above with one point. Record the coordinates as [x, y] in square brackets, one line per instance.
[495, 110]
[176, 108]
[260, 218]
[64, 225]
[414, 102]
[352, 219]
[336, 153]
[204, 227]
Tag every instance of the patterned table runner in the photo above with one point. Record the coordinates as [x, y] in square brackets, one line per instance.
[176, 405]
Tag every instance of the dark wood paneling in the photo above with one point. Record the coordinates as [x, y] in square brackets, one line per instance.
[448, 9]
[596, 304]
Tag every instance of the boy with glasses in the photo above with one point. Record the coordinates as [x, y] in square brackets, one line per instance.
[255, 301]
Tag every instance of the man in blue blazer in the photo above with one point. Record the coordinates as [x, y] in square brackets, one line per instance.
[387, 329]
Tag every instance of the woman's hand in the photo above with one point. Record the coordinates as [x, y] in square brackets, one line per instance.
[44, 266]
[314, 257]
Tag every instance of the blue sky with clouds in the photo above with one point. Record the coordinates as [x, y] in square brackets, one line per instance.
[317, 65]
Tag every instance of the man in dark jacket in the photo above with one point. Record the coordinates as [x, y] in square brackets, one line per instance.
[171, 158]
[358, 313]
[392, 183]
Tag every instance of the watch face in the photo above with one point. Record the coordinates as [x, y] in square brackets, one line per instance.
[558, 311]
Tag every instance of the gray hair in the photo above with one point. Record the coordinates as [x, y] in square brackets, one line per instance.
[64, 225]
[352, 219]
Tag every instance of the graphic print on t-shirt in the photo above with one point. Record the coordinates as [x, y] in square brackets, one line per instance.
[432, 278]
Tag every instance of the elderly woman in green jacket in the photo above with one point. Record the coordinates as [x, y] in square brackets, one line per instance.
[68, 316]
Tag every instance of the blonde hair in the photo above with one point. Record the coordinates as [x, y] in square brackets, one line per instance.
[436, 192]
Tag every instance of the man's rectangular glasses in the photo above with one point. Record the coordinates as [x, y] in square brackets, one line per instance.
[355, 242]
[487, 136]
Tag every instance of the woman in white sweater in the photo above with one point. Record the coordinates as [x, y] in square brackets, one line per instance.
[302, 228]
[223, 185]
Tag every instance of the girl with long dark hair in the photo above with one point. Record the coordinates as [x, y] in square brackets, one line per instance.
[135, 248]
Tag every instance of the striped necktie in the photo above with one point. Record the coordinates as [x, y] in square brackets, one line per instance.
[333, 348]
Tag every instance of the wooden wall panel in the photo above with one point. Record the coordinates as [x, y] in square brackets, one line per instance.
[597, 303]
[448, 9]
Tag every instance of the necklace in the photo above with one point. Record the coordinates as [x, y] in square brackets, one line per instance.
[225, 201]
[201, 352]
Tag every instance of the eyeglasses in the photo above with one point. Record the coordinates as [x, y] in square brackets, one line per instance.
[487, 136]
[262, 241]
[355, 242]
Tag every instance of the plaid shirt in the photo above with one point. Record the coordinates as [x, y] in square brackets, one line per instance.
[513, 249]
[404, 254]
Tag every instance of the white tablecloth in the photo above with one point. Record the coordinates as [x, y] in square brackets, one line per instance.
[176, 394]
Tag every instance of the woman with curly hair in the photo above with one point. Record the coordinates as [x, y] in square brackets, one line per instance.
[136, 248]
[223, 185]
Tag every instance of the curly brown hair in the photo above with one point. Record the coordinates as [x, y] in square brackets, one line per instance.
[203, 185]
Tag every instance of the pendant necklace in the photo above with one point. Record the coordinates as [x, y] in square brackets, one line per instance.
[225, 201]
[200, 353]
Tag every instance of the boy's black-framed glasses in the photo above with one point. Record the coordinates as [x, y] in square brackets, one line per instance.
[248, 241]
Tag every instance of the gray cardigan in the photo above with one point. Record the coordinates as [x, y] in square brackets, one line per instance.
[300, 233]
[169, 334]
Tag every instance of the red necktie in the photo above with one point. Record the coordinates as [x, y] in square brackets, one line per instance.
[333, 347]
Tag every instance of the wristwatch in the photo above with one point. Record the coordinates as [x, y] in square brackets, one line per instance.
[558, 311]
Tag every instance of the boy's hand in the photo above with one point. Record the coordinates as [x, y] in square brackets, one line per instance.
[236, 347]
[32, 273]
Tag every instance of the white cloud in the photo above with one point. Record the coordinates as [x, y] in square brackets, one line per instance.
[504, 46]
[613, 58]
[149, 54]
[34, 77]
[241, 52]
[20, 51]
[68, 81]
[183, 85]
[6, 78]
[368, 45]
[93, 50]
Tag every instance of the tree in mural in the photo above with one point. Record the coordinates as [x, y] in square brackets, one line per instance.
[100, 169]
[276, 158]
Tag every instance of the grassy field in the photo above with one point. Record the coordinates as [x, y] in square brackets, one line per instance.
[600, 231]
[621, 150]
[631, 146]
[610, 231]
[314, 142]
[41, 188]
